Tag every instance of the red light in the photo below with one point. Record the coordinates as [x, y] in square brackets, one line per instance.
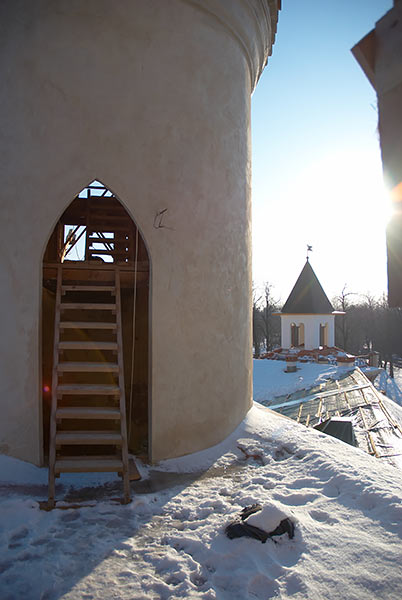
[46, 389]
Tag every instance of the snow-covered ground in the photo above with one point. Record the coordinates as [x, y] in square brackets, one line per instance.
[169, 543]
[391, 387]
[270, 379]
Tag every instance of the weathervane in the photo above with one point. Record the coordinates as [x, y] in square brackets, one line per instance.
[309, 249]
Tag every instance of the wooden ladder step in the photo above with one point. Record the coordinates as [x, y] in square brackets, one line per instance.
[113, 435]
[88, 438]
[87, 389]
[88, 412]
[88, 367]
[93, 345]
[86, 325]
[97, 219]
[88, 288]
[85, 464]
[86, 306]
[125, 229]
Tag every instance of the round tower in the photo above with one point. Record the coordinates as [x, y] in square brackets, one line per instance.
[151, 99]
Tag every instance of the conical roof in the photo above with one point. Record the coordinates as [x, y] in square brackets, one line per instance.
[307, 296]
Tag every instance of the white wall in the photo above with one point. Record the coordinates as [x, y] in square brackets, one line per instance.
[311, 329]
[153, 99]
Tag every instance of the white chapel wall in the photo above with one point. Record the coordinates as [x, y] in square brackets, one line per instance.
[311, 329]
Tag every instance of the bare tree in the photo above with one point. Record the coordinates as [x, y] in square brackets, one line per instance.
[257, 329]
[343, 329]
[270, 323]
[266, 326]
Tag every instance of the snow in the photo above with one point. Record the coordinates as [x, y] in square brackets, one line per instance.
[268, 518]
[169, 543]
[391, 387]
[271, 381]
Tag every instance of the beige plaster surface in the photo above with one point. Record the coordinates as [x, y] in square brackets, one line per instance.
[153, 99]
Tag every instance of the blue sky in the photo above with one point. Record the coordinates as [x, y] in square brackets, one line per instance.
[317, 175]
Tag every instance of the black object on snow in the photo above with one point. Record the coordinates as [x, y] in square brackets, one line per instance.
[239, 528]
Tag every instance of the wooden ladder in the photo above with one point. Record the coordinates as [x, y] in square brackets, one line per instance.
[88, 430]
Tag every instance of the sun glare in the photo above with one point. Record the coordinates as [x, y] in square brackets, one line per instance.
[339, 205]
[343, 191]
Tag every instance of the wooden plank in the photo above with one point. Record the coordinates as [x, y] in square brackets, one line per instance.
[370, 437]
[89, 438]
[123, 421]
[87, 465]
[82, 265]
[88, 367]
[84, 412]
[87, 389]
[107, 229]
[102, 252]
[87, 288]
[300, 412]
[87, 306]
[53, 422]
[133, 472]
[86, 325]
[387, 414]
[318, 415]
[345, 396]
[93, 270]
[94, 345]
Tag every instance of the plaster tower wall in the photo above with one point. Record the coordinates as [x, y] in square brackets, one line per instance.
[153, 99]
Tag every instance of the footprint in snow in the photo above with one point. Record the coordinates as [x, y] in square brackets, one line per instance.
[19, 535]
[197, 579]
[16, 539]
[296, 499]
[295, 584]
[5, 565]
[40, 541]
[322, 517]
[69, 516]
[262, 587]
[304, 482]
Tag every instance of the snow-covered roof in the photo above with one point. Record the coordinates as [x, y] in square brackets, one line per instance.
[376, 420]
[170, 541]
[307, 295]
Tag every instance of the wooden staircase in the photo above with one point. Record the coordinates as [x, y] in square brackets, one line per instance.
[88, 430]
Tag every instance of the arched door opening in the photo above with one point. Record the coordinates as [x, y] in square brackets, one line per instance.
[294, 335]
[297, 335]
[94, 239]
[301, 334]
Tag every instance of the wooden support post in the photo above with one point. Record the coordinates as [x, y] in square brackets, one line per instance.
[52, 441]
[123, 420]
[299, 413]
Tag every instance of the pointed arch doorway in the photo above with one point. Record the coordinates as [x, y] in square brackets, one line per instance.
[94, 238]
